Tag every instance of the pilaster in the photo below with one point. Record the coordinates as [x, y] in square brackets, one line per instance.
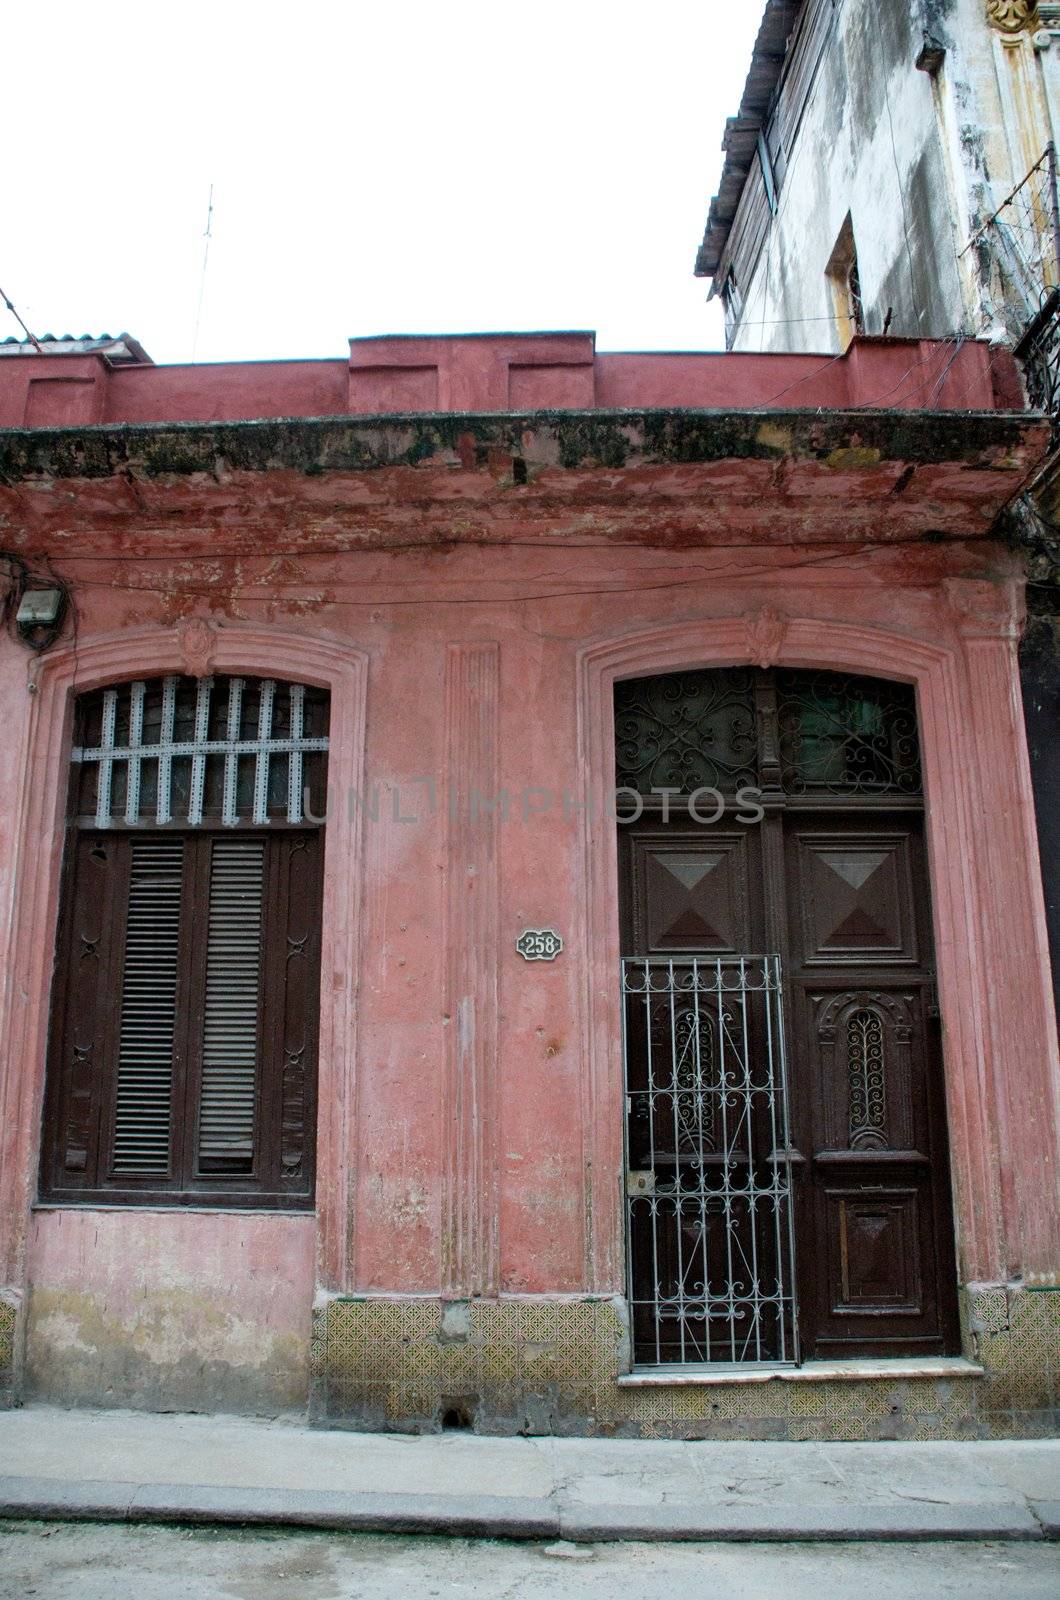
[1022, 1066]
[470, 1202]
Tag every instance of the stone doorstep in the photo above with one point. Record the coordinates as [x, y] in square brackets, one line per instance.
[899, 1368]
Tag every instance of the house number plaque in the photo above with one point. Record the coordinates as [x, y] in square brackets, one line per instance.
[539, 944]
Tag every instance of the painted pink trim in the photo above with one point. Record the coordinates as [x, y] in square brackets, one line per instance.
[1000, 1043]
[38, 846]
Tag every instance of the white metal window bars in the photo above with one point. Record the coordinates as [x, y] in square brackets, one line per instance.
[294, 744]
[709, 1227]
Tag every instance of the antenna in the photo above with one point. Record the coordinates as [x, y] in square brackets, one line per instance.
[34, 341]
[202, 280]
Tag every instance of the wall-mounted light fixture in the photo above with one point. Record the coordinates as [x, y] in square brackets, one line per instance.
[40, 615]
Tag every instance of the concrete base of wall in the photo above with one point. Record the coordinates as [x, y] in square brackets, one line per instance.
[551, 1366]
[182, 1351]
[209, 1313]
[536, 1366]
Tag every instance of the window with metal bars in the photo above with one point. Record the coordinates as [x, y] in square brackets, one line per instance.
[182, 1067]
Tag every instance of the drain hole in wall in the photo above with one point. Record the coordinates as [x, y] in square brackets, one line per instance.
[457, 1414]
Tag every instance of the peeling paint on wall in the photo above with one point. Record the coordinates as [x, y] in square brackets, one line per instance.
[170, 1310]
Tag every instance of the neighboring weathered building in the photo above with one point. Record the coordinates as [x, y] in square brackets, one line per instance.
[893, 171]
[733, 1114]
[869, 175]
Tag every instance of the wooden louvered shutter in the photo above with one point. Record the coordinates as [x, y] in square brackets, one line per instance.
[291, 1010]
[141, 1143]
[229, 1082]
[183, 1059]
[183, 1052]
[77, 1066]
[115, 1069]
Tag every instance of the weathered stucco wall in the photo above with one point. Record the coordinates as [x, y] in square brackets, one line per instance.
[470, 617]
[868, 144]
[170, 1310]
[919, 158]
[433, 966]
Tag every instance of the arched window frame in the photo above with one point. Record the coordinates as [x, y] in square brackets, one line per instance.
[182, 1066]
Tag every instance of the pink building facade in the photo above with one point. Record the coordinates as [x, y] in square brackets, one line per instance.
[467, 544]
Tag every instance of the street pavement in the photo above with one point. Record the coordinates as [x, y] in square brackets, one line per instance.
[141, 1467]
[92, 1561]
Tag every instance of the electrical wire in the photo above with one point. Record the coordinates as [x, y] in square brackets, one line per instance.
[870, 405]
[17, 581]
[1039, 166]
[804, 379]
[874, 13]
[404, 547]
[854, 551]
[37, 637]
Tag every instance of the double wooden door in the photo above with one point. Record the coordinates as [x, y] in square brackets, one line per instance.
[837, 887]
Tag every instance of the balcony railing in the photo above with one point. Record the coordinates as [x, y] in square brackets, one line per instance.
[1018, 250]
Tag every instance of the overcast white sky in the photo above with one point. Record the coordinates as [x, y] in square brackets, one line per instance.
[403, 167]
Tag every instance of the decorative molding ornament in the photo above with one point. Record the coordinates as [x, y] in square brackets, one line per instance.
[983, 609]
[197, 639]
[1011, 16]
[765, 631]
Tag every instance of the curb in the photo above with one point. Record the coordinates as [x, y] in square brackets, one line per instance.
[499, 1517]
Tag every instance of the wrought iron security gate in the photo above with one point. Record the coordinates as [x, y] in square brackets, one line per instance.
[708, 1160]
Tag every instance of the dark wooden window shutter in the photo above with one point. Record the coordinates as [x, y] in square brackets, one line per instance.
[228, 1091]
[182, 1067]
[147, 1029]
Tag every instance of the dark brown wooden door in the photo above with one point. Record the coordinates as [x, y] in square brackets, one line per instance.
[837, 884]
[875, 1258]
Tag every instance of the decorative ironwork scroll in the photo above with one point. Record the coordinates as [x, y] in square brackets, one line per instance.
[1038, 351]
[685, 731]
[845, 735]
[866, 1070]
[724, 729]
[696, 1084]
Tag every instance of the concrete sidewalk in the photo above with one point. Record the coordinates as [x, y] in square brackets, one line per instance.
[140, 1467]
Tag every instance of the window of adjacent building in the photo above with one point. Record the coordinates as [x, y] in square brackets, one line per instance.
[770, 176]
[844, 284]
[732, 300]
[182, 1066]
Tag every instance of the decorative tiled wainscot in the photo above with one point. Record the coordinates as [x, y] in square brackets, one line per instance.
[553, 1366]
